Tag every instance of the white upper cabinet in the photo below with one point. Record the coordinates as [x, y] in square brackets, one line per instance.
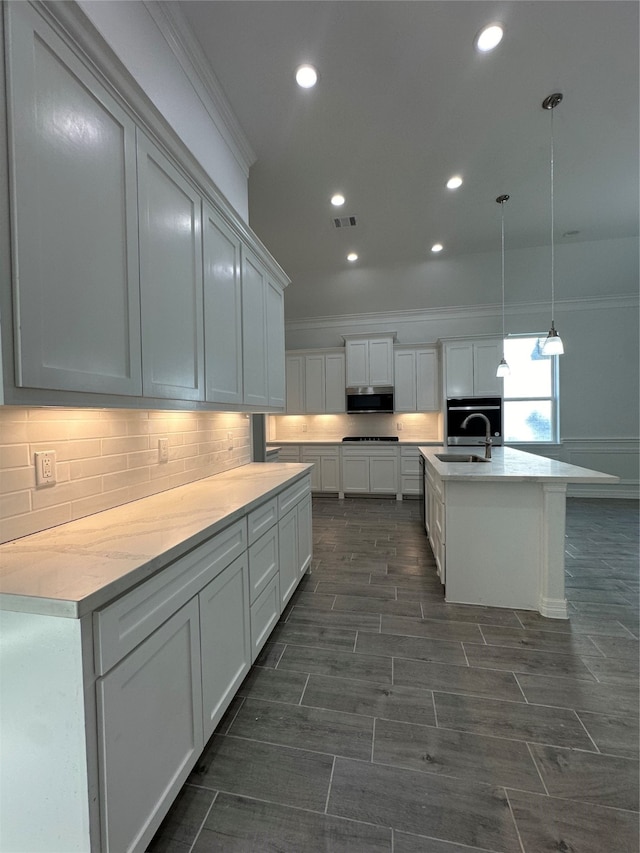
[295, 369]
[75, 235]
[335, 383]
[275, 345]
[470, 368]
[369, 360]
[416, 380]
[170, 278]
[316, 382]
[222, 310]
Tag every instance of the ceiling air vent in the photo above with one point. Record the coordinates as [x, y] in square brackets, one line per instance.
[344, 221]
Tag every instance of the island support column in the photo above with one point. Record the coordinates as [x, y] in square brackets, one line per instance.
[553, 603]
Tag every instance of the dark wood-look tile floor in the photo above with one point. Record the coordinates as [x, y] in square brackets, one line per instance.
[380, 719]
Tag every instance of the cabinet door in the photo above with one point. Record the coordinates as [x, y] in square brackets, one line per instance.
[357, 354]
[170, 278]
[288, 549]
[74, 226]
[254, 330]
[405, 381]
[316, 474]
[383, 474]
[486, 356]
[305, 538]
[222, 310]
[459, 369]
[314, 383]
[335, 383]
[294, 368]
[149, 730]
[275, 345]
[381, 362]
[427, 396]
[225, 632]
[355, 474]
[330, 473]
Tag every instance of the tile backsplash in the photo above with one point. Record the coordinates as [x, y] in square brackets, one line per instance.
[421, 426]
[106, 457]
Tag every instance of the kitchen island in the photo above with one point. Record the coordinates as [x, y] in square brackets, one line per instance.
[497, 527]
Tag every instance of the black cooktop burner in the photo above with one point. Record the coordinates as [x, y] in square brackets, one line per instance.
[370, 438]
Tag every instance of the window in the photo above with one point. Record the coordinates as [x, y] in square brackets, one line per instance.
[530, 392]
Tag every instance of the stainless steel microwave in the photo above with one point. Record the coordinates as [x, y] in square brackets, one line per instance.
[368, 398]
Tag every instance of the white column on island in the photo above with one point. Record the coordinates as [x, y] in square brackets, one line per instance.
[552, 596]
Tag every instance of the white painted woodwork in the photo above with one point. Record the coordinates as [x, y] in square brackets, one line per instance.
[316, 382]
[383, 474]
[410, 471]
[355, 474]
[292, 495]
[295, 376]
[470, 368]
[171, 294]
[370, 469]
[325, 475]
[335, 383]
[427, 384]
[314, 379]
[275, 345]
[288, 542]
[254, 330]
[222, 310]
[289, 453]
[330, 473]
[263, 562]
[305, 539]
[262, 519]
[369, 360]
[150, 730]
[75, 242]
[265, 612]
[405, 381]
[225, 634]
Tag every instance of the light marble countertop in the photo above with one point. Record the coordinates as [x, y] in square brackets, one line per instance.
[339, 443]
[507, 463]
[78, 567]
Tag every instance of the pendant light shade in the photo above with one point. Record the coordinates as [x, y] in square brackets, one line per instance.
[503, 368]
[553, 344]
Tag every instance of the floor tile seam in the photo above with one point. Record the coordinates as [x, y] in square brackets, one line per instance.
[304, 689]
[514, 821]
[509, 788]
[538, 770]
[524, 695]
[335, 649]
[526, 703]
[435, 838]
[326, 801]
[204, 820]
[575, 655]
[351, 677]
[281, 745]
[612, 657]
[411, 637]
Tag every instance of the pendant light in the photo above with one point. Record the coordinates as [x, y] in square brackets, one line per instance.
[503, 368]
[553, 343]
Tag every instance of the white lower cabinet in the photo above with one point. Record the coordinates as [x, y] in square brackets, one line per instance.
[371, 470]
[325, 475]
[265, 612]
[150, 730]
[294, 535]
[410, 470]
[435, 520]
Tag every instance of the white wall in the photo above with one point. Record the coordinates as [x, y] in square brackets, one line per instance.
[131, 32]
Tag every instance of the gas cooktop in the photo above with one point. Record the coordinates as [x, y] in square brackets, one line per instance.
[370, 438]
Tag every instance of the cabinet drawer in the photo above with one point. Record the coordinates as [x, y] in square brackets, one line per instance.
[261, 519]
[263, 562]
[410, 465]
[123, 625]
[265, 612]
[291, 496]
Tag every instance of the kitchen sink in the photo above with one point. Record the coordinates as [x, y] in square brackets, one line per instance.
[460, 457]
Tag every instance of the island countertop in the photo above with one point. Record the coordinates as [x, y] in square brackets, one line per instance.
[509, 464]
[77, 567]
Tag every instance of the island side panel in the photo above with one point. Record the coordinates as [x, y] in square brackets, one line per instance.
[494, 543]
[553, 603]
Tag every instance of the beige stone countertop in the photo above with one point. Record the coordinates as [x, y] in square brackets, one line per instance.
[507, 463]
[78, 567]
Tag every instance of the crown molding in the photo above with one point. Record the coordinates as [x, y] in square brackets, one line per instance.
[178, 35]
[593, 303]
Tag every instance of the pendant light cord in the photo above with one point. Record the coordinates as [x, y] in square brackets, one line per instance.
[502, 251]
[553, 264]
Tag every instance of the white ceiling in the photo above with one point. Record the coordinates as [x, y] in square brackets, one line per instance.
[404, 101]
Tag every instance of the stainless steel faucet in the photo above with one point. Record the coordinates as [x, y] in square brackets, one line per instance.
[487, 440]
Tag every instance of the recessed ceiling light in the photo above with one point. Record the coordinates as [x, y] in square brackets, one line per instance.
[352, 257]
[454, 182]
[337, 200]
[306, 76]
[437, 247]
[489, 37]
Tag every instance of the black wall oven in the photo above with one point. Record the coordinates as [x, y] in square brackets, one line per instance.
[459, 408]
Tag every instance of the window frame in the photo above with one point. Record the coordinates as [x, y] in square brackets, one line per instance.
[554, 398]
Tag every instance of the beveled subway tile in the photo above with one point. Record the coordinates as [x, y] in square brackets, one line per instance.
[245, 826]
[279, 774]
[473, 757]
[417, 648]
[525, 660]
[305, 728]
[605, 780]
[337, 663]
[614, 670]
[514, 720]
[614, 647]
[356, 589]
[373, 700]
[431, 628]
[613, 735]
[446, 809]
[361, 604]
[405, 843]
[445, 678]
[334, 619]
[179, 829]
[618, 699]
[278, 685]
[314, 635]
[547, 823]
[573, 644]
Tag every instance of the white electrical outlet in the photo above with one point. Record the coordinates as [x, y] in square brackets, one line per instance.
[304, 427]
[230, 441]
[399, 425]
[45, 467]
[163, 450]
